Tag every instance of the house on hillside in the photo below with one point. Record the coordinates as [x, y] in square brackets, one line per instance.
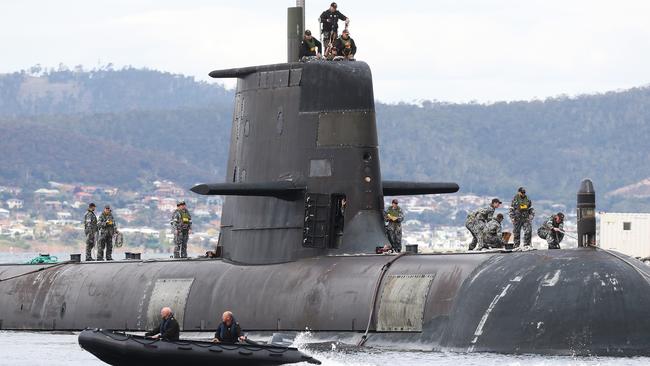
[53, 205]
[89, 189]
[167, 204]
[14, 191]
[82, 196]
[63, 215]
[62, 187]
[4, 214]
[14, 204]
[44, 192]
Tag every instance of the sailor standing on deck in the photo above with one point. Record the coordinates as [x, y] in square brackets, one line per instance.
[182, 227]
[107, 227]
[330, 24]
[394, 217]
[90, 229]
[522, 214]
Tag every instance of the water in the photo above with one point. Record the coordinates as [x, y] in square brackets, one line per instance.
[44, 348]
[48, 348]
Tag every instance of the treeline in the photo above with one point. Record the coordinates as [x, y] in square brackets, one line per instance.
[121, 126]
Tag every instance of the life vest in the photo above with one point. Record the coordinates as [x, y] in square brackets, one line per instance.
[185, 217]
[311, 44]
[522, 203]
[109, 221]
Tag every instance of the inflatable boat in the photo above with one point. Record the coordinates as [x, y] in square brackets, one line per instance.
[116, 348]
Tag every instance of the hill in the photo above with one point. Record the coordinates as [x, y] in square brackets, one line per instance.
[119, 126]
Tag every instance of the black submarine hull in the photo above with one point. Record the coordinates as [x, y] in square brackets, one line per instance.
[581, 301]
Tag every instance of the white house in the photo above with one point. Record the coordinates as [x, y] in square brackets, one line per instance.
[628, 233]
[14, 204]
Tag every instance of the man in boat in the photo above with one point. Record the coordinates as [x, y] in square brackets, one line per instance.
[229, 330]
[169, 329]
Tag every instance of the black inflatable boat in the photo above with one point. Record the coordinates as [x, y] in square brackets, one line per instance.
[116, 348]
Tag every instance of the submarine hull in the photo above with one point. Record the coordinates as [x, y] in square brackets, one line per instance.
[577, 301]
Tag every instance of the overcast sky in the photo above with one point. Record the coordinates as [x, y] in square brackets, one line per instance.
[449, 50]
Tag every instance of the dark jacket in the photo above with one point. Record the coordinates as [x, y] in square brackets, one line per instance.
[341, 45]
[169, 329]
[305, 50]
[330, 20]
[228, 334]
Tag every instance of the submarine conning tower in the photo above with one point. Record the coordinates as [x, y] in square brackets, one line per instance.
[303, 174]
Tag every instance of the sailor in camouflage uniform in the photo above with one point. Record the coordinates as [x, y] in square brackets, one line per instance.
[477, 220]
[522, 214]
[394, 217]
[182, 226]
[107, 228]
[90, 229]
[553, 230]
[493, 234]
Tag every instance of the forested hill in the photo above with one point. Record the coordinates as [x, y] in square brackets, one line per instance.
[121, 126]
[105, 90]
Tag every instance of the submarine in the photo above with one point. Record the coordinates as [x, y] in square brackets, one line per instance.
[301, 220]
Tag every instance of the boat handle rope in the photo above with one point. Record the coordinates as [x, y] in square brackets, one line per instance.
[35, 271]
[148, 342]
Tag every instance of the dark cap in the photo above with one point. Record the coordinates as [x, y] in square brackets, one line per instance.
[521, 189]
[560, 215]
[308, 32]
[91, 205]
[394, 200]
[496, 200]
[345, 31]
[333, 5]
[180, 203]
[108, 207]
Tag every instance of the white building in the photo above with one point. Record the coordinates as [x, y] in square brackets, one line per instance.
[628, 233]
[14, 204]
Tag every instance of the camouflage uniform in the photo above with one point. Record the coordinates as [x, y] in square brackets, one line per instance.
[553, 238]
[476, 222]
[493, 235]
[90, 229]
[107, 227]
[181, 225]
[522, 214]
[394, 228]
